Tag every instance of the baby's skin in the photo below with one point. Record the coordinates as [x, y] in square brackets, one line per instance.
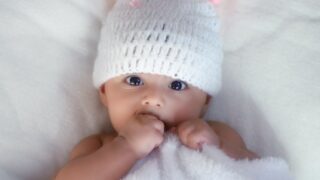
[142, 108]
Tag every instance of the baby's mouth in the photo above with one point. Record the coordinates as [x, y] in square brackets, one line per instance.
[150, 115]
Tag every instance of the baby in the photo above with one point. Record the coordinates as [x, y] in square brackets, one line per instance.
[158, 67]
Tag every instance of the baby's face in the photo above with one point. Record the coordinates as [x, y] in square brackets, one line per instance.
[171, 101]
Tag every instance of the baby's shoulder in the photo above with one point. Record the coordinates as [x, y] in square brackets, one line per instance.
[90, 144]
[107, 137]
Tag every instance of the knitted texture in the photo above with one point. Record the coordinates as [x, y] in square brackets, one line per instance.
[176, 38]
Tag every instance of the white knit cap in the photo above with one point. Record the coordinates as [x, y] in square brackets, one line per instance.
[176, 38]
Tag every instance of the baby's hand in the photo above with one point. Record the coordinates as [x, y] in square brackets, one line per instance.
[143, 134]
[195, 133]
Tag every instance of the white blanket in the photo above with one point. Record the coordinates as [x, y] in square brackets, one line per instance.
[270, 93]
[174, 161]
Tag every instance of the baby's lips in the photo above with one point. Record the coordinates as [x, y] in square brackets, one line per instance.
[147, 116]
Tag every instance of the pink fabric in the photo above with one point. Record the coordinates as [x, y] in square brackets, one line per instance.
[135, 3]
[215, 2]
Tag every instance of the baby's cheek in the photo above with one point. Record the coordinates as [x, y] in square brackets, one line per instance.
[118, 116]
[184, 113]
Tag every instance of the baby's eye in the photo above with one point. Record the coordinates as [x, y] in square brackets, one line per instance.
[134, 80]
[178, 85]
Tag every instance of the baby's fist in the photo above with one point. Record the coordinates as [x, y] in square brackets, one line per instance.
[143, 134]
[195, 133]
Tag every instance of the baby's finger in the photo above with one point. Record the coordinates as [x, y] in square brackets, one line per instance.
[152, 122]
[184, 130]
[158, 125]
[195, 141]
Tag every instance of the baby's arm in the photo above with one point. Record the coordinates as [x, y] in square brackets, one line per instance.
[99, 158]
[112, 157]
[231, 142]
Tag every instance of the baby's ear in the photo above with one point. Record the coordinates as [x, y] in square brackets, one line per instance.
[103, 94]
[205, 106]
[208, 99]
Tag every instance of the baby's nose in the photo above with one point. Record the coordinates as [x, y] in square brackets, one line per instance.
[153, 100]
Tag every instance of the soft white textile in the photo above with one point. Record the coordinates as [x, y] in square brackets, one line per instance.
[270, 93]
[174, 161]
